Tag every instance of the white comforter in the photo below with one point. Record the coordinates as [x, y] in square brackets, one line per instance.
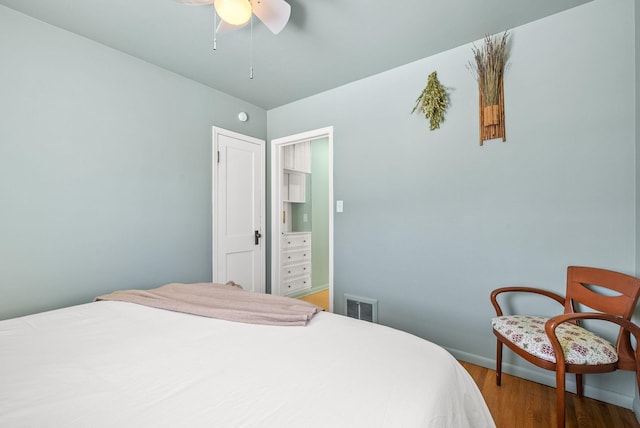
[120, 365]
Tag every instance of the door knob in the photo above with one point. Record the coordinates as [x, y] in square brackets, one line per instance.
[257, 237]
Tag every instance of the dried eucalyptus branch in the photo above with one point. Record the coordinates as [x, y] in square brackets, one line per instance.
[432, 102]
[489, 64]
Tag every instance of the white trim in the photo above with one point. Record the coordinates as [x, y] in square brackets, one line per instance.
[216, 131]
[275, 197]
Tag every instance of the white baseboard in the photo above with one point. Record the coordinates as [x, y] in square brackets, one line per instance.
[312, 290]
[548, 378]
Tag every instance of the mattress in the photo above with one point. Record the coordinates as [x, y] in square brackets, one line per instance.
[117, 364]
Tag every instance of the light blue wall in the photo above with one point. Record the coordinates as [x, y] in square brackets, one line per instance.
[320, 212]
[433, 222]
[105, 166]
[637, 111]
[636, 402]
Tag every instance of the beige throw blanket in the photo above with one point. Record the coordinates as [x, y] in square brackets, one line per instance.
[223, 301]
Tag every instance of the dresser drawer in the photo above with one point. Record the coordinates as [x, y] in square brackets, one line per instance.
[297, 256]
[295, 270]
[298, 284]
[297, 240]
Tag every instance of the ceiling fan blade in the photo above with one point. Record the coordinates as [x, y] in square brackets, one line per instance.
[273, 13]
[225, 27]
[195, 2]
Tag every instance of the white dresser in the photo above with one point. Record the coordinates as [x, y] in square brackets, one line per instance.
[295, 273]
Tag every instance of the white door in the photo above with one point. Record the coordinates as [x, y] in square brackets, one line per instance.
[238, 210]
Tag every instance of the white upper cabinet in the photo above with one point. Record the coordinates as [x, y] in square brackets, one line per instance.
[293, 187]
[297, 157]
[296, 162]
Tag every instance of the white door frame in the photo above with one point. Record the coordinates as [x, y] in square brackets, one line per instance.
[216, 131]
[276, 197]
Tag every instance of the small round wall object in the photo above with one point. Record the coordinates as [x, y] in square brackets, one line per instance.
[243, 116]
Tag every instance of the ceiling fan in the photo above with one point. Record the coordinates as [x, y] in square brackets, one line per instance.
[235, 14]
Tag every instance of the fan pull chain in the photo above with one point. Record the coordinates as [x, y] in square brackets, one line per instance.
[251, 50]
[215, 29]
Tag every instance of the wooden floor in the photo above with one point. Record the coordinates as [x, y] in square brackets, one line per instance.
[320, 298]
[521, 403]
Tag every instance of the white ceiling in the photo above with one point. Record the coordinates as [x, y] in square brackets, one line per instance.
[327, 43]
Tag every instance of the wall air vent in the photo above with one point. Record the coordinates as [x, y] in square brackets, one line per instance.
[361, 308]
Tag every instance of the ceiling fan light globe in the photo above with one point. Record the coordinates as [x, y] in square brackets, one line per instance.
[234, 12]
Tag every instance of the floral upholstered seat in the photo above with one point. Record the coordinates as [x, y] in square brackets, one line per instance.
[580, 346]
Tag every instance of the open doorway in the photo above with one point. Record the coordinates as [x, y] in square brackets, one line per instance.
[302, 216]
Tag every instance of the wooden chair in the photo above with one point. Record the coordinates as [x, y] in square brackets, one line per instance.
[539, 340]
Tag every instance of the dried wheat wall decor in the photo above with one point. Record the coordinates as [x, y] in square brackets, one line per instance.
[488, 65]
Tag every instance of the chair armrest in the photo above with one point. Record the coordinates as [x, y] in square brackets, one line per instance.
[624, 359]
[494, 295]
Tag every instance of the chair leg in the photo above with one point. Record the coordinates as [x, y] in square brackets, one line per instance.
[560, 398]
[499, 363]
[579, 390]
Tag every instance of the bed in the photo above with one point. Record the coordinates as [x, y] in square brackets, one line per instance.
[113, 363]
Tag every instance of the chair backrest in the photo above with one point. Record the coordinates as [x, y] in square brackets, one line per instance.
[622, 302]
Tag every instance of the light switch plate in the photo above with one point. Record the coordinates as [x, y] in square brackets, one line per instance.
[339, 206]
